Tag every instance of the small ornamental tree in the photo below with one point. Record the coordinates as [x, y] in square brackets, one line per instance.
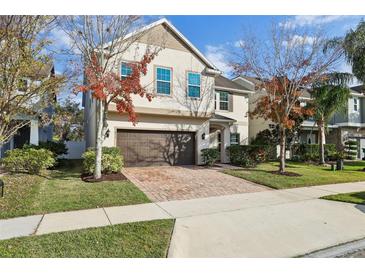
[108, 87]
[287, 65]
[101, 41]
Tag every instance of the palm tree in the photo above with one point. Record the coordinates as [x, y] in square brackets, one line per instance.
[353, 48]
[330, 95]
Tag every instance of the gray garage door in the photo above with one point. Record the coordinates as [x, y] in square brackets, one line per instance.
[147, 148]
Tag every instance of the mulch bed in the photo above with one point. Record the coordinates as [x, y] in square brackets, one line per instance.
[105, 177]
[286, 173]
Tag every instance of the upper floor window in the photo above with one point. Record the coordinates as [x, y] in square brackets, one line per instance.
[22, 85]
[125, 70]
[193, 84]
[223, 100]
[163, 77]
[235, 138]
[356, 104]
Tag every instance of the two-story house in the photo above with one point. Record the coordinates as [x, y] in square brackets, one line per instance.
[341, 127]
[193, 106]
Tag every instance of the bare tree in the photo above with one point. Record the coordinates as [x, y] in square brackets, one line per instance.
[200, 106]
[288, 63]
[101, 41]
[26, 83]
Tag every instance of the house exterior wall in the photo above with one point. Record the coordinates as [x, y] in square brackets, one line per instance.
[256, 124]
[180, 62]
[239, 112]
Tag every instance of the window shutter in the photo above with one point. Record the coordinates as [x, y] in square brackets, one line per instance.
[230, 102]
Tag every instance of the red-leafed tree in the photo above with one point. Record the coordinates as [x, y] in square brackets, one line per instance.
[287, 64]
[101, 41]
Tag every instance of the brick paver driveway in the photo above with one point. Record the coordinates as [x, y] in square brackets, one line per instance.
[166, 183]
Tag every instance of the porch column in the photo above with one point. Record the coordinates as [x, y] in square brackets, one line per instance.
[225, 143]
[34, 137]
[201, 143]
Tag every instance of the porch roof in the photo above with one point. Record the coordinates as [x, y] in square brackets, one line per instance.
[221, 118]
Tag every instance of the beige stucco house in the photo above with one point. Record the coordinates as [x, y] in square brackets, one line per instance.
[193, 106]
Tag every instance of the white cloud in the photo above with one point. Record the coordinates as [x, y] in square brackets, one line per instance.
[239, 43]
[219, 57]
[311, 20]
[346, 67]
[61, 39]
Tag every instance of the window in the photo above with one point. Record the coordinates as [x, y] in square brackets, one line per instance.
[125, 70]
[235, 138]
[163, 81]
[23, 85]
[193, 84]
[223, 100]
[356, 104]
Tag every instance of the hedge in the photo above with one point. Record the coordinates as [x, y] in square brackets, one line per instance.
[310, 152]
[210, 156]
[28, 159]
[57, 148]
[250, 155]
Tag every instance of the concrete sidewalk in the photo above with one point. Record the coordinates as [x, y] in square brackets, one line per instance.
[274, 223]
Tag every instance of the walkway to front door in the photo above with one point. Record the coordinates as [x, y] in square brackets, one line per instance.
[166, 183]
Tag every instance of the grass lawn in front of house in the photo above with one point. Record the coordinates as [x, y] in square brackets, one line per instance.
[142, 240]
[311, 175]
[353, 197]
[62, 190]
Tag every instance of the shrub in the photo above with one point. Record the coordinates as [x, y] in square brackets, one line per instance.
[351, 149]
[210, 156]
[111, 161]
[57, 148]
[310, 152]
[28, 159]
[250, 155]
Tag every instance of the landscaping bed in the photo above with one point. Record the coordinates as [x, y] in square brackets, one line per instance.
[135, 240]
[62, 189]
[309, 174]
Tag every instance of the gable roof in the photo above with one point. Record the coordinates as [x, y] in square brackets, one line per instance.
[165, 22]
[358, 89]
[256, 81]
[223, 83]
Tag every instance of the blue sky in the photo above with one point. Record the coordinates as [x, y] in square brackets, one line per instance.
[213, 35]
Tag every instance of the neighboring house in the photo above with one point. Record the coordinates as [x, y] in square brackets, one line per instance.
[34, 132]
[193, 108]
[351, 124]
[342, 126]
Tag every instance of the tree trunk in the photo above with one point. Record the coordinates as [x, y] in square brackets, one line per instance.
[99, 139]
[322, 141]
[282, 150]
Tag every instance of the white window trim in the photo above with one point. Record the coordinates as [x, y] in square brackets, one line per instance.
[121, 75]
[223, 101]
[164, 81]
[356, 104]
[238, 139]
[191, 85]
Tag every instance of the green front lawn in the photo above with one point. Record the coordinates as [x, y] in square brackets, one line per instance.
[311, 174]
[353, 197]
[142, 240]
[62, 190]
